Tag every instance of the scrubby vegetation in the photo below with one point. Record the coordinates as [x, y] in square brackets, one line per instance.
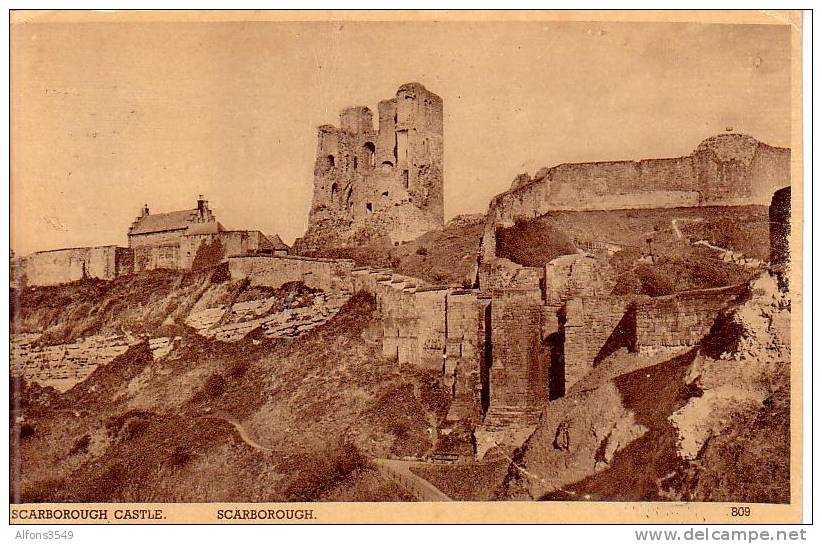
[137, 303]
[144, 430]
[533, 242]
[446, 256]
[648, 256]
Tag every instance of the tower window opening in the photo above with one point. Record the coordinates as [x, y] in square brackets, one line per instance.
[368, 207]
[370, 154]
[330, 161]
[405, 178]
[355, 163]
[333, 189]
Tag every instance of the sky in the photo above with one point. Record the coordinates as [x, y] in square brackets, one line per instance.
[109, 116]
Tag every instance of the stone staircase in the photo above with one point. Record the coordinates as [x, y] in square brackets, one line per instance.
[505, 417]
[505, 428]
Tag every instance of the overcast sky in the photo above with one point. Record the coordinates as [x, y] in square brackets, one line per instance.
[107, 117]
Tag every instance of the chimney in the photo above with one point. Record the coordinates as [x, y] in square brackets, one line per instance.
[144, 211]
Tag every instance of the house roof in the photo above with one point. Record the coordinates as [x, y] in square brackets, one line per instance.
[277, 242]
[161, 222]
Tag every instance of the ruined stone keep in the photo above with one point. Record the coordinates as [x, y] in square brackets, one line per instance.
[383, 183]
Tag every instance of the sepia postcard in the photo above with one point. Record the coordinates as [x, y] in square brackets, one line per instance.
[405, 267]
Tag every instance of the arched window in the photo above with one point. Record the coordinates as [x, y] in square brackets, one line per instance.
[333, 190]
[355, 163]
[370, 153]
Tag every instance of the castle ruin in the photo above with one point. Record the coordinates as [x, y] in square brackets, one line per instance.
[522, 335]
[386, 183]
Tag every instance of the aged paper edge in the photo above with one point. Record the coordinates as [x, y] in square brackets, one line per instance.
[491, 512]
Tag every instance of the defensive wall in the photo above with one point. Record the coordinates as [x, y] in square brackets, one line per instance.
[197, 250]
[331, 275]
[72, 264]
[179, 252]
[596, 327]
[506, 353]
[724, 170]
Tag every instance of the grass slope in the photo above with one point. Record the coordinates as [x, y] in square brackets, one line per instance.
[321, 403]
[443, 256]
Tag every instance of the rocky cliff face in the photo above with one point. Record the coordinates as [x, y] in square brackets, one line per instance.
[60, 334]
[260, 419]
[708, 424]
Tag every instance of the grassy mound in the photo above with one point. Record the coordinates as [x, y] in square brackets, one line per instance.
[533, 242]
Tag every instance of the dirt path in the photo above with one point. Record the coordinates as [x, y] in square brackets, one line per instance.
[400, 472]
[245, 434]
[675, 225]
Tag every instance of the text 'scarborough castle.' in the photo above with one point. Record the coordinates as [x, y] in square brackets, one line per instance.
[518, 337]
[387, 182]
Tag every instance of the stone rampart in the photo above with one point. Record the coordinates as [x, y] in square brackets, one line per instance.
[590, 322]
[596, 327]
[330, 275]
[681, 321]
[214, 247]
[67, 265]
[519, 373]
[727, 169]
[465, 365]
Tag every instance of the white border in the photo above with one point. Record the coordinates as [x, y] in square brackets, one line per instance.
[449, 533]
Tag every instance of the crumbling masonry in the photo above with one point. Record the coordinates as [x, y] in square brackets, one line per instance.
[523, 336]
[386, 183]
